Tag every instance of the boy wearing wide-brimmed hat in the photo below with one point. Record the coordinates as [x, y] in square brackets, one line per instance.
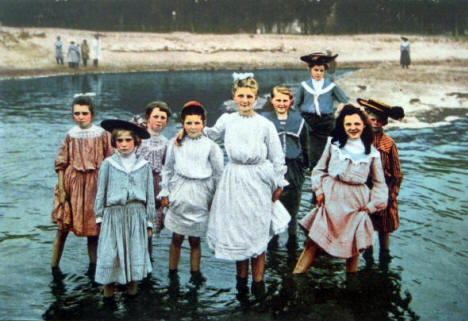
[386, 221]
[315, 98]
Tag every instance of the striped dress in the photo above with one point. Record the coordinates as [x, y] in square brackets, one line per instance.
[387, 220]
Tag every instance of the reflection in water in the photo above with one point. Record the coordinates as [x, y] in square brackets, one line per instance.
[34, 117]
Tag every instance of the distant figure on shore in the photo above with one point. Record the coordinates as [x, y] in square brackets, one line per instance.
[73, 55]
[58, 51]
[96, 47]
[331, 67]
[405, 59]
[84, 52]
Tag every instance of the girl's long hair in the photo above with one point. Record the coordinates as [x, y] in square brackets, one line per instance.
[339, 134]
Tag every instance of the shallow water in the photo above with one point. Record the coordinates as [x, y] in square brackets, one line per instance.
[426, 278]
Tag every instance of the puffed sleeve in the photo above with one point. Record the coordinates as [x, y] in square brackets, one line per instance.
[167, 170]
[379, 192]
[275, 154]
[150, 206]
[217, 131]
[62, 160]
[299, 98]
[101, 193]
[108, 149]
[320, 171]
[216, 159]
[340, 95]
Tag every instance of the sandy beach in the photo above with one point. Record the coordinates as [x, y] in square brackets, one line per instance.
[437, 77]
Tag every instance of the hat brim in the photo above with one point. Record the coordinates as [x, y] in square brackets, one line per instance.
[371, 107]
[318, 59]
[111, 124]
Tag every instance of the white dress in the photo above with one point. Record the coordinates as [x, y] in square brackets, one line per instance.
[241, 215]
[189, 179]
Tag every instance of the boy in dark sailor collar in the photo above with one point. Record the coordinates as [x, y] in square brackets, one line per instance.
[294, 136]
[314, 99]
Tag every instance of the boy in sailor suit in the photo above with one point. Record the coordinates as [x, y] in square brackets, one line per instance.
[314, 99]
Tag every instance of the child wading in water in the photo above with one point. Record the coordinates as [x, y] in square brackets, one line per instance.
[241, 215]
[190, 175]
[157, 115]
[125, 210]
[294, 137]
[385, 221]
[340, 224]
[84, 148]
[314, 99]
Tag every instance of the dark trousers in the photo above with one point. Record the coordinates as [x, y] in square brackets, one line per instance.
[320, 128]
[95, 62]
[291, 195]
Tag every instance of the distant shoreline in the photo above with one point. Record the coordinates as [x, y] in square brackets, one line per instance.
[438, 75]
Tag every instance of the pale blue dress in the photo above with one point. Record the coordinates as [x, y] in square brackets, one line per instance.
[240, 223]
[189, 179]
[125, 206]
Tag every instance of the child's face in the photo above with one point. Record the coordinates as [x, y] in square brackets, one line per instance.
[124, 142]
[157, 120]
[82, 116]
[317, 72]
[281, 103]
[353, 126]
[245, 98]
[376, 123]
[193, 125]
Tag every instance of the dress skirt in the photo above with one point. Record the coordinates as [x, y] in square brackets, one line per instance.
[189, 204]
[338, 226]
[241, 215]
[123, 245]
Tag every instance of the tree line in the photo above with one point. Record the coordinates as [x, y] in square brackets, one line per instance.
[251, 16]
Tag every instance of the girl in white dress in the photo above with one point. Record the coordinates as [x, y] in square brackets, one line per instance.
[192, 170]
[240, 221]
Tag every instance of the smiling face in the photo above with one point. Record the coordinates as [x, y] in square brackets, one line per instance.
[317, 72]
[124, 142]
[353, 126]
[281, 103]
[157, 120]
[193, 125]
[82, 116]
[245, 98]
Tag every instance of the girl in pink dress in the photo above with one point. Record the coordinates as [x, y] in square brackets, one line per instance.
[84, 148]
[340, 224]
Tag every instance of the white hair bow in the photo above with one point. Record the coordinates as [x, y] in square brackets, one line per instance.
[242, 75]
[84, 94]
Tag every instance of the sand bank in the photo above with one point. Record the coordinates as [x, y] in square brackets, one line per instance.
[438, 76]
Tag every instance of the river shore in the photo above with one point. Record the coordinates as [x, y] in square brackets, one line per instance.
[437, 77]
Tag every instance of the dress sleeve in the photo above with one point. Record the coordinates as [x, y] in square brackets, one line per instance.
[379, 192]
[150, 205]
[167, 170]
[217, 162]
[339, 94]
[275, 155]
[320, 171]
[62, 160]
[102, 182]
[397, 176]
[299, 98]
[108, 149]
[217, 131]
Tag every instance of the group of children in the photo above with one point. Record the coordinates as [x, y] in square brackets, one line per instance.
[119, 181]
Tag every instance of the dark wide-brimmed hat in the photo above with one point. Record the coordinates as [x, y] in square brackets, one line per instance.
[382, 109]
[111, 124]
[318, 58]
[404, 38]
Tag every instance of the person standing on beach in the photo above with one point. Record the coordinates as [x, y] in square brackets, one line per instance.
[405, 59]
[293, 132]
[385, 221]
[84, 52]
[314, 99]
[96, 50]
[58, 51]
[73, 55]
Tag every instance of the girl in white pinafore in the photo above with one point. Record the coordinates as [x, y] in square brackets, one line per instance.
[241, 214]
